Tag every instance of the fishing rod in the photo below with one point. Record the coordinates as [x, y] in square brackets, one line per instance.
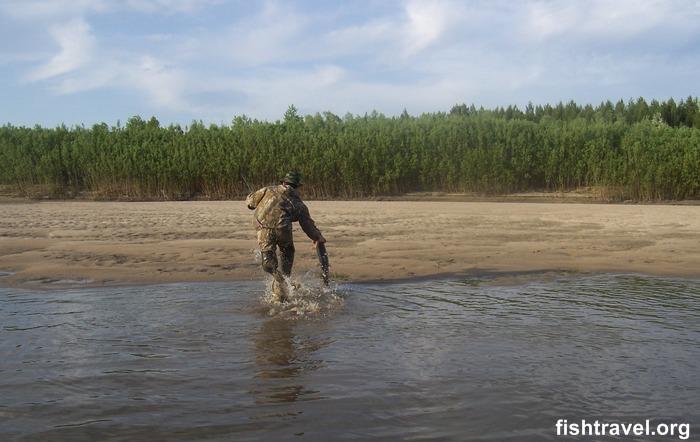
[250, 189]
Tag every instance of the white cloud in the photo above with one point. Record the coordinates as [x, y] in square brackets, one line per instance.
[268, 92]
[420, 55]
[79, 66]
[358, 38]
[328, 75]
[76, 44]
[427, 21]
[273, 35]
[412, 29]
[169, 6]
[98, 75]
[601, 19]
[52, 9]
[165, 85]
[547, 20]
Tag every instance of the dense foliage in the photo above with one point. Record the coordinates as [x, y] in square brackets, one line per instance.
[640, 150]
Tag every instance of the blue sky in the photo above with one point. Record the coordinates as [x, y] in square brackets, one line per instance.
[87, 61]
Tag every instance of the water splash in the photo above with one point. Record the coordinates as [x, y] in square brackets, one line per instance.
[306, 297]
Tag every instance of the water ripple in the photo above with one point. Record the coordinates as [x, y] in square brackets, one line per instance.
[470, 358]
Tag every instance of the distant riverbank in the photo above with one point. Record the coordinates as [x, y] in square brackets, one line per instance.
[58, 243]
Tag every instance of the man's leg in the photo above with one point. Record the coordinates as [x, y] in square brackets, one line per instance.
[286, 245]
[266, 242]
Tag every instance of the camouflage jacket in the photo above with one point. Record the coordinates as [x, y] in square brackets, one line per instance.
[277, 207]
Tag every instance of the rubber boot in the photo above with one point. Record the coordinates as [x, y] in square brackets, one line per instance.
[279, 287]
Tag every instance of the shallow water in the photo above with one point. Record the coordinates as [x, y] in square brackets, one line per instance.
[461, 359]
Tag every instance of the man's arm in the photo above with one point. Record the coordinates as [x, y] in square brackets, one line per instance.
[309, 226]
[254, 198]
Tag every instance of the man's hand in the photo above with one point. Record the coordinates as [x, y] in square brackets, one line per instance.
[321, 240]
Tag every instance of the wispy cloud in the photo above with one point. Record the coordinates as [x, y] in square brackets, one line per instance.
[164, 86]
[212, 59]
[76, 44]
[51, 9]
[79, 66]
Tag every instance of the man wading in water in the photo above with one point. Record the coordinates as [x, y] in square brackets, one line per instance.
[276, 208]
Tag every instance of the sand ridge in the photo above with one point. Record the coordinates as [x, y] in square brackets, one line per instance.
[64, 243]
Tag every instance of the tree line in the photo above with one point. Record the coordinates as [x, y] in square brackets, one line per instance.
[634, 149]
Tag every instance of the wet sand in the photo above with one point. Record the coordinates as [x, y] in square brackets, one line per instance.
[54, 244]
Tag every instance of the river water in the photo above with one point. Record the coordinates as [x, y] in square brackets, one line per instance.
[477, 358]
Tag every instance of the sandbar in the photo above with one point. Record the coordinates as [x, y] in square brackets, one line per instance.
[68, 243]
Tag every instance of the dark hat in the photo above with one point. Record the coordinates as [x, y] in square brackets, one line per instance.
[293, 178]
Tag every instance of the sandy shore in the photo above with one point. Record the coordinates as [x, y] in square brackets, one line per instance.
[51, 244]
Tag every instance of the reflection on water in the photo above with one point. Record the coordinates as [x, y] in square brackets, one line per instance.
[281, 357]
[463, 359]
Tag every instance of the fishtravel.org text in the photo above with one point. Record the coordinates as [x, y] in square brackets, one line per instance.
[646, 428]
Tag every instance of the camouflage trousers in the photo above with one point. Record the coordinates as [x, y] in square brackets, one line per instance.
[268, 241]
